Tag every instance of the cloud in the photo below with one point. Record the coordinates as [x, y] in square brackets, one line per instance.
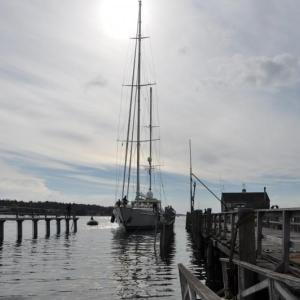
[183, 50]
[99, 81]
[13, 73]
[68, 135]
[282, 70]
[227, 76]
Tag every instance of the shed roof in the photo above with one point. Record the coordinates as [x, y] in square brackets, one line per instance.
[245, 196]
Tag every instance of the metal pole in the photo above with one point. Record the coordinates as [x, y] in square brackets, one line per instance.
[210, 190]
[139, 105]
[150, 128]
[191, 178]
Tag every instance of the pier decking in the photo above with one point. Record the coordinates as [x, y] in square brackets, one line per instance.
[250, 251]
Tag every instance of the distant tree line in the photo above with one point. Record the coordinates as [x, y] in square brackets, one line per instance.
[21, 207]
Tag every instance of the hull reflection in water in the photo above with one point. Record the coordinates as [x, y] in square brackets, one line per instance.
[139, 269]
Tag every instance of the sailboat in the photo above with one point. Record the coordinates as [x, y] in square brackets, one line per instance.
[144, 211]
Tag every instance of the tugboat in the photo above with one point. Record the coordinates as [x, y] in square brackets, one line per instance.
[92, 222]
[145, 211]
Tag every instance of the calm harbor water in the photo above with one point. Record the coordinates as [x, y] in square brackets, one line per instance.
[103, 262]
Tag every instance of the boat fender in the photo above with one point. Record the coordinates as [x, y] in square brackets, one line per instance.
[112, 219]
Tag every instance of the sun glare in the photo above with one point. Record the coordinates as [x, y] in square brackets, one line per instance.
[119, 18]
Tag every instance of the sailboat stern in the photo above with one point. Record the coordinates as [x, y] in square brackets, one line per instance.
[136, 219]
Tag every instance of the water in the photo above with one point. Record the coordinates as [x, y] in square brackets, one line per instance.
[103, 262]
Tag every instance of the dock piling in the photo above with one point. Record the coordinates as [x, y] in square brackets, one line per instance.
[35, 228]
[19, 229]
[35, 218]
[247, 251]
[67, 225]
[75, 224]
[47, 227]
[1, 230]
[58, 226]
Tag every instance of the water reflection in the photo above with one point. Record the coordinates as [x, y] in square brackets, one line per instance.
[139, 270]
[167, 252]
[197, 258]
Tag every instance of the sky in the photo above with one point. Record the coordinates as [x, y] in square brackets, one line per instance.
[227, 77]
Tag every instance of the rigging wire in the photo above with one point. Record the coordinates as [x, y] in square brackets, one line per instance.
[131, 146]
[118, 164]
[129, 116]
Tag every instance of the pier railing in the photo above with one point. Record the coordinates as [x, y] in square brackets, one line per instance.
[275, 232]
[279, 285]
[262, 247]
[31, 211]
[192, 288]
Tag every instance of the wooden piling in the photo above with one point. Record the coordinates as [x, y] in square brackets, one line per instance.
[209, 264]
[247, 251]
[67, 225]
[259, 236]
[162, 238]
[75, 224]
[19, 229]
[1, 230]
[58, 226]
[35, 228]
[47, 227]
[188, 221]
[208, 222]
[286, 241]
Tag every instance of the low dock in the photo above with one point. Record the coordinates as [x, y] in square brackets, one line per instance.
[250, 253]
[35, 219]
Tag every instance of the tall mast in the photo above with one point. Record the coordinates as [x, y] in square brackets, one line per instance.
[191, 177]
[139, 102]
[150, 150]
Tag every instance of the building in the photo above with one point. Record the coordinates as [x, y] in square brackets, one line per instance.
[256, 200]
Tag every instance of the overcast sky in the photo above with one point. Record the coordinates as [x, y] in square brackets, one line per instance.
[228, 77]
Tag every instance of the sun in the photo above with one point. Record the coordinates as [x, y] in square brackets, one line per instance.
[119, 18]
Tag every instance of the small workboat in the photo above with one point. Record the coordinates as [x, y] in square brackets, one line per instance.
[92, 222]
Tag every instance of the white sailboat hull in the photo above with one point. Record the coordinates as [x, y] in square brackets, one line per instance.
[136, 218]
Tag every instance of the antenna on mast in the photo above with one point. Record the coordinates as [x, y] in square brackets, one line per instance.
[191, 178]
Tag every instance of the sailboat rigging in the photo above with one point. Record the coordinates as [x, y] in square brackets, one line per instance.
[145, 211]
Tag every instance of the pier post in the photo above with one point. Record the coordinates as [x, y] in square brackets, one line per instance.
[208, 222]
[75, 224]
[47, 227]
[35, 228]
[162, 238]
[67, 225]
[247, 251]
[196, 227]
[188, 221]
[209, 264]
[19, 229]
[58, 226]
[224, 235]
[286, 241]
[1, 230]
[259, 236]
[220, 225]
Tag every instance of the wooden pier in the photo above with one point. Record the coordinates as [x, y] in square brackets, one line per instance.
[35, 220]
[250, 253]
